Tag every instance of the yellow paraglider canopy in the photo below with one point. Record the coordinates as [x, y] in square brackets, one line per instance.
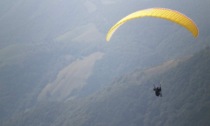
[163, 13]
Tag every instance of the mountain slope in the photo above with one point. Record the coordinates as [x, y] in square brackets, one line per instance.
[41, 42]
[131, 101]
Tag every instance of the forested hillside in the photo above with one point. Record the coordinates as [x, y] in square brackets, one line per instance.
[131, 100]
[57, 69]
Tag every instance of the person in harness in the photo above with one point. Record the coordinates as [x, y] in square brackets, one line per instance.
[157, 91]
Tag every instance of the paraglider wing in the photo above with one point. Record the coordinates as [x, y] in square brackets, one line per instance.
[167, 14]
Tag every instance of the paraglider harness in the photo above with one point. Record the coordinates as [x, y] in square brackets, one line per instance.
[157, 91]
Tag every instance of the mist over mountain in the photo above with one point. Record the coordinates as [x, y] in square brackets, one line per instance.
[131, 101]
[53, 53]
